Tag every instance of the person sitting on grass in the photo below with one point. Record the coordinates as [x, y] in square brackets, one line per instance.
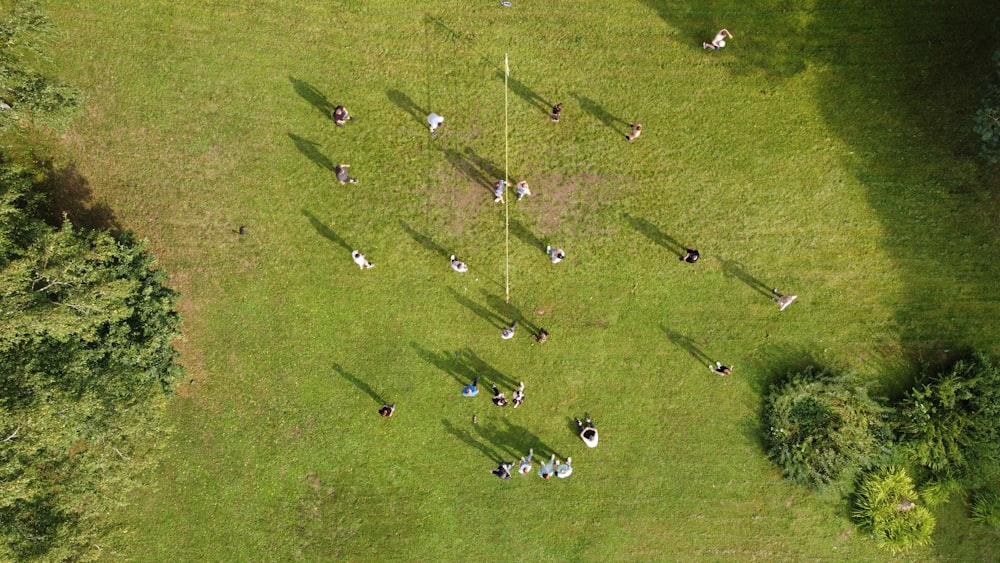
[471, 390]
[556, 110]
[508, 332]
[720, 369]
[588, 433]
[458, 265]
[719, 41]
[519, 395]
[636, 131]
[503, 471]
[361, 260]
[522, 190]
[564, 470]
[549, 469]
[499, 399]
[343, 176]
[783, 301]
[340, 116]
[525, 466]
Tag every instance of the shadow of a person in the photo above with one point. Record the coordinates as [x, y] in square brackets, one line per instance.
[407, 104]
[358, 383]
[653, 233]
[313, 96]
[311, 151]
[424, 240]
[733, 269]
[602, 115]
[526, 236]
[325, 231]
[688, 345]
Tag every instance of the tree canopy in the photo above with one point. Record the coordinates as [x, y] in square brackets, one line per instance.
[86, 361]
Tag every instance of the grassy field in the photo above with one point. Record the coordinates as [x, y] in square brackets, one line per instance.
[826, 151]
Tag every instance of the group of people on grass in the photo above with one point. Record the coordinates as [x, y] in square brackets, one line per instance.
[587, 431]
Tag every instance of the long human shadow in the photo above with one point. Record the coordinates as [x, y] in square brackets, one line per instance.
[325, 231]
[509, 311]
[424, 240]
[688, 345]
[485, 166]
[310, 94]
[447, 362]
[482, 312]
[653, 233]
[69, 195]
[596, 110]
[358, 383]
[525, 235]
[453, 35]
[470, 363]
[407, 104]
[311, 150]
[470, 440]
[465, 166]
[733, 269]
[515, 440]
[527, 94]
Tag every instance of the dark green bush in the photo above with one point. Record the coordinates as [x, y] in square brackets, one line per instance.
[821, 428]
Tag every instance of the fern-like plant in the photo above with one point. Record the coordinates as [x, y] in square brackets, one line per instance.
[986, 509]
[887, 506]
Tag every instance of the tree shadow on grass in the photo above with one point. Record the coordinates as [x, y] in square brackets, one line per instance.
[69, 195]
[653, 233]
[311, 150]
[326, 232]
[425, 241]
[613, 122]
[407, 104]
[358, 383]
[470, 440]
[310, 94]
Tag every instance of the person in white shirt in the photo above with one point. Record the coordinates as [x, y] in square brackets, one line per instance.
[588, 433]
[361, 261]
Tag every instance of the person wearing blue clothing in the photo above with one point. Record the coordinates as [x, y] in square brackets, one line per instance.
[498, 190]
[471, 390]
[564, 470]
[548, 470]
[525, 466]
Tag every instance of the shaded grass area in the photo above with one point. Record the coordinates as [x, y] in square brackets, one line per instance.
[795, 158]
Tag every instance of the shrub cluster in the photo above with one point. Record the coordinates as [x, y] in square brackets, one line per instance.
[826, 429]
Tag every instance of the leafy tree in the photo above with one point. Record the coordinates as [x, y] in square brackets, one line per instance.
[887, 507]
[86, 365]
[950, 422]
[822, 428]
[26, 94]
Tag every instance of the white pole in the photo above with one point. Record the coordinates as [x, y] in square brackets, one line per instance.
[506, 164]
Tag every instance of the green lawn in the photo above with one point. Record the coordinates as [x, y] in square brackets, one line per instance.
[827, 151]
